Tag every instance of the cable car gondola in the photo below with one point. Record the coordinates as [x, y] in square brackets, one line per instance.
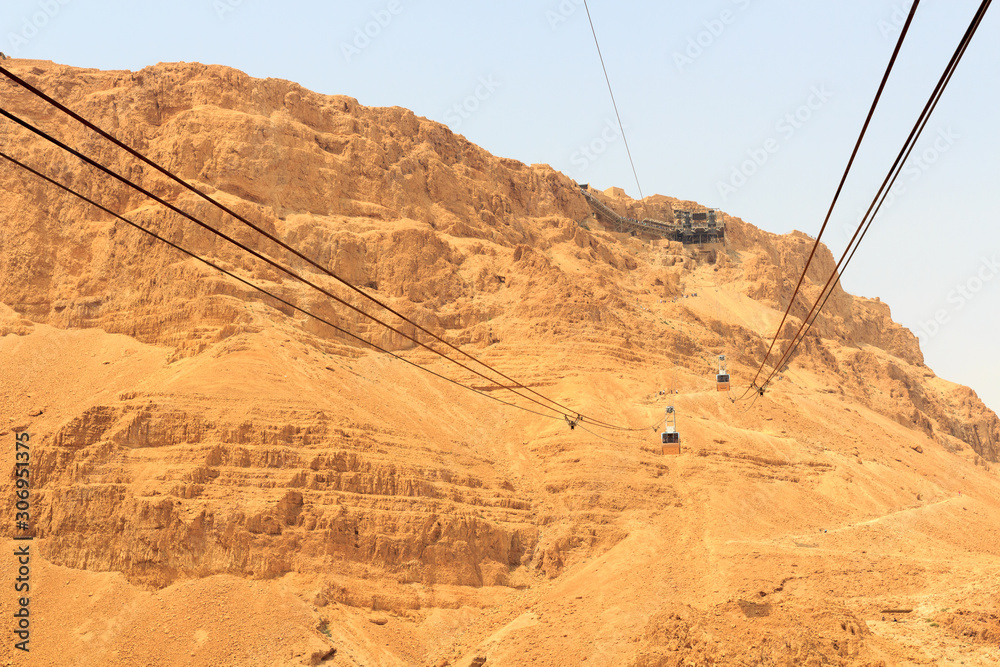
[722, 377]
[670, 438]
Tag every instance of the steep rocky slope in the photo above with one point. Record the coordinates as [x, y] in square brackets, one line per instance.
[193, 440]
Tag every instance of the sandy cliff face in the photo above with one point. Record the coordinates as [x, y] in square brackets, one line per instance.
[189, 432]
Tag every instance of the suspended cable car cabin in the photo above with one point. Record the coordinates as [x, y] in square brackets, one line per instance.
[722, 377]
[670, 438]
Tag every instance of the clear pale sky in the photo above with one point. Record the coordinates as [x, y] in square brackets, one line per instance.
[702, 87]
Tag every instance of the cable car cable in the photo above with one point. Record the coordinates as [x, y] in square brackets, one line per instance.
[261, 289]
[258, 255]
[38, 93]
[284, 269]
[615, 442]
[621, 126]
[885, 188]
[754, 400]
[840, 186]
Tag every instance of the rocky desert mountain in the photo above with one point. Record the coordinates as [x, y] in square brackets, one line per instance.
[217, 479]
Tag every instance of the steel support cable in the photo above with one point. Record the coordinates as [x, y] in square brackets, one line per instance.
[836, 196]
[887, 184]
[38, 93]
[621, 126]
[752, 401]
[614, 442]
[262, 290]
[268, 260]
[296, 276]
[884, 190]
